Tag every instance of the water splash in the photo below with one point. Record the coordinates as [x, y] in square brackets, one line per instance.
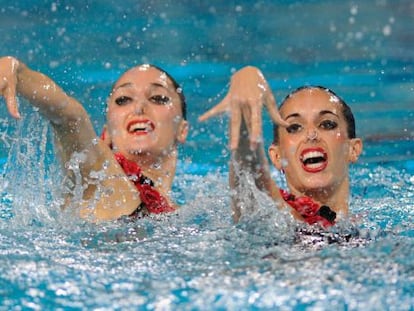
[198, 257]
[29, 178]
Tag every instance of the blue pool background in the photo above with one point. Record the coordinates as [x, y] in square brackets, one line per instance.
[200, 260]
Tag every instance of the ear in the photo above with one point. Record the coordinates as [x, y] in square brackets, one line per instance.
[355, 149]
[182, 131]
[105, 137]
[276, 156]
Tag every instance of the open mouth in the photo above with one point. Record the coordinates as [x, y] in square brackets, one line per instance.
[140, 127]
[314, 160]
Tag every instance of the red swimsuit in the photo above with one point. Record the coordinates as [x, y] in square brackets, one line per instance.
[311, 212]
[155, 203]
[151, 199]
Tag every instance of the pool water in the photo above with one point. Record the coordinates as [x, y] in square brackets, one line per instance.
[198, 259]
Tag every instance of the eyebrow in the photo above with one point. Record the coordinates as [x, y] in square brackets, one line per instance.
[321, 113]
[160, 85]
[128, 84]
[293, 115]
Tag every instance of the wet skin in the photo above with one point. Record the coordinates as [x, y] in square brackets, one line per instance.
[144, 114]
[314, 151]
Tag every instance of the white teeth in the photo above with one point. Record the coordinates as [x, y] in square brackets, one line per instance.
[140, 126]
[312, 154]
[314, 165]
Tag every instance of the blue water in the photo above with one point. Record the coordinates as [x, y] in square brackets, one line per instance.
[198, 259]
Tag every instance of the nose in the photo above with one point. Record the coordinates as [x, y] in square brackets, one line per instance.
[139, 106]
[312, 134]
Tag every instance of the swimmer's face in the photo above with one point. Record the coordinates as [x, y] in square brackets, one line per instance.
[144, 114]
[314, 150]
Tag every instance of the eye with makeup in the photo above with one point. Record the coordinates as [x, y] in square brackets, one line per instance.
[294, 128]
[123, 100]
[160, 99]
[328, 125]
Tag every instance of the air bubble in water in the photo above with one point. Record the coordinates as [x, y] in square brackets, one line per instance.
[386, 31]
[354, 10]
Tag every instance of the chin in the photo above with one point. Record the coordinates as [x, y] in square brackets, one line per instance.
[141, 147]
[316, 184]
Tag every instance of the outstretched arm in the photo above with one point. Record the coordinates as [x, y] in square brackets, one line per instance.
[247, 94]
[74, 133]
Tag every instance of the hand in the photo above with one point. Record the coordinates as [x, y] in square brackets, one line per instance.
[8, 83]
[245, 98]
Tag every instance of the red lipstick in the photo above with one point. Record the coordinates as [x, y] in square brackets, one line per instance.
[314, 160]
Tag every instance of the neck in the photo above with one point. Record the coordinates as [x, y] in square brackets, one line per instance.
[160, 169]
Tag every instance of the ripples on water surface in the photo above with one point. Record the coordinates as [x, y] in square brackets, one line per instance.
[198, 259]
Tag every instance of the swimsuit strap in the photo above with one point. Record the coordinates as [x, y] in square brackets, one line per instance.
[311, 211]
[151, 199]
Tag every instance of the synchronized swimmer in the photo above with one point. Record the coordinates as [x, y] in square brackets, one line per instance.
[314, 143]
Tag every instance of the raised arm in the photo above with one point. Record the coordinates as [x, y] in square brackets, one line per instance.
[74, 133]
[247, 94]
[67, 116]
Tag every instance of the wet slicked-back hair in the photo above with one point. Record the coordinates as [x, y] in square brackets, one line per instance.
[346, 111]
